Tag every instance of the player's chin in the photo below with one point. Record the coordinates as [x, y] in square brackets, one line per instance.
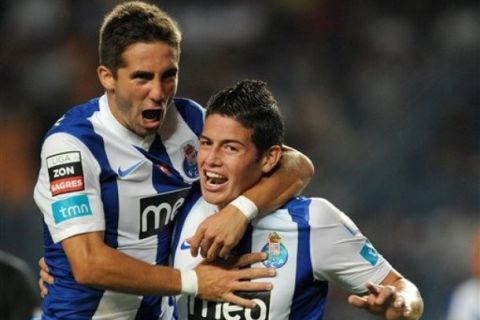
[214, 198]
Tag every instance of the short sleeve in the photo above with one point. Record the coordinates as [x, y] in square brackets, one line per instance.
[340, 252]
[67, 191]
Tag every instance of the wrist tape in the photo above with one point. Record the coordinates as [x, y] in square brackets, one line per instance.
[189, 282]
[246, 206]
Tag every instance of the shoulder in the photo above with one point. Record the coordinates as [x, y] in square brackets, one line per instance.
[314, 208]
[191, 112]
[76, 118]
[188, 108]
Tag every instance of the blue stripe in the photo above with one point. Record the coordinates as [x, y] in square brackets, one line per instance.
[85, 299]
[150, 308]
[77, 124]
[308, 301]
[192, 198]
[192, 114]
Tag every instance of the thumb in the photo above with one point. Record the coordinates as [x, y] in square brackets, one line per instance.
[357, 301]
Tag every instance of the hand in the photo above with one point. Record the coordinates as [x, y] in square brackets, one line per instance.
[219, 233]
[45, 277]
[218, 281]
[384, 300]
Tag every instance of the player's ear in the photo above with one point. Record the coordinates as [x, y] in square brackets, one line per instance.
[271, 158]
[106, 77]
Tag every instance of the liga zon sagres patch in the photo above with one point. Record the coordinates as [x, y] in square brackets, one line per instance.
[65, 172]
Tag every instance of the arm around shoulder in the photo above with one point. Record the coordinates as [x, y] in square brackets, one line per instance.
[95, 264]
[290, 177]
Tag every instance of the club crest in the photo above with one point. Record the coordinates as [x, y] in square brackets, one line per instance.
[277, 252]
[190, 160]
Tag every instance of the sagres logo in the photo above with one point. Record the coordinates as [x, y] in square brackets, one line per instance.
[201, 309]
[158, 211]
[65, 172]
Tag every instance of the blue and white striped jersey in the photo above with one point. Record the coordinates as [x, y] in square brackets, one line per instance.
[309, 242]
[98, 176]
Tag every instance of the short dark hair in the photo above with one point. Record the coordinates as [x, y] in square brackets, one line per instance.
[132, 22]
[253, 105]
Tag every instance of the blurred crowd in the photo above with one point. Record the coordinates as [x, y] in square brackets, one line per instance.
[383, 96]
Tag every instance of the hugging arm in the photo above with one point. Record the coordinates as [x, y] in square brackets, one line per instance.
[219, 233]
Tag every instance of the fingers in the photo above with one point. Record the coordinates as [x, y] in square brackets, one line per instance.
[218, 234]
[42, 264]
[42, 288]
[250, 258]
[372, 288]
[382, 294]
[213, 251]
[358, 302]
[233, 298]
[195, 240]
[46, 277]
[205, 245]
[382, 300]
[399, 304]
[252, 286]
[254, 273]
[225, 250]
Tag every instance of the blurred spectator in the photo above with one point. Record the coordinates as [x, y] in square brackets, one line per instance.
[19, 297]
[465, 303]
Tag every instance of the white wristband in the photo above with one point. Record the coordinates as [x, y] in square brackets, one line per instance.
[189, 282]
[246, 206]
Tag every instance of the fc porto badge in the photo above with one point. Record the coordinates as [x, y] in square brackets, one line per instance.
[277, 252]
[190, 160]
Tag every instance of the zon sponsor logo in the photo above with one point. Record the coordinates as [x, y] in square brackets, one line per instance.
[65, 173]
[158, 211]
[201, 309]
[69, 208]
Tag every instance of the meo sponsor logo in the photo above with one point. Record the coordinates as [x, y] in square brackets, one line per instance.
[158, 211]
[201, 309]
[70, 208]
[65, 172]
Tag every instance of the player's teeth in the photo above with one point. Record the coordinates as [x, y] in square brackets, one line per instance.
[214, 175]
[215, 178]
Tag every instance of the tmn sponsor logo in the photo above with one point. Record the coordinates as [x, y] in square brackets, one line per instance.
[201, 309]
[158, 211]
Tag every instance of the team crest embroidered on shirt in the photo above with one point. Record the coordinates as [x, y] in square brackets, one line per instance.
[277, 252]
[190, 160]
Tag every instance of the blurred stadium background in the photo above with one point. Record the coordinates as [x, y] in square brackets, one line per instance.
[383, 96]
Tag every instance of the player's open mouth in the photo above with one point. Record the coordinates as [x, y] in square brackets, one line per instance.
[215, 178]
[152, 114]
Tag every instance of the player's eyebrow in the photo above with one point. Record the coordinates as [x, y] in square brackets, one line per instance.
[141, 74]
[224, 141]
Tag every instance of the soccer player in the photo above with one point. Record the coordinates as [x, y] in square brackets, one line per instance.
[116, 170]
[308, 240]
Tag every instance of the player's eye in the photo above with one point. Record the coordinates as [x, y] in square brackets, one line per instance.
[205, 142]
[231, 148]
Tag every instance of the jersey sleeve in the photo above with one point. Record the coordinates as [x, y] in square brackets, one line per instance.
[68, 188]
[340, 252]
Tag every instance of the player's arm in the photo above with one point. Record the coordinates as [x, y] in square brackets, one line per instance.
[343, 255]
[395, 298]
[95, 264]
[219, 233]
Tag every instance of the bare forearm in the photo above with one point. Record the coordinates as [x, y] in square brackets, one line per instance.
[95, 264]
[115, 271]
[288, 180]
